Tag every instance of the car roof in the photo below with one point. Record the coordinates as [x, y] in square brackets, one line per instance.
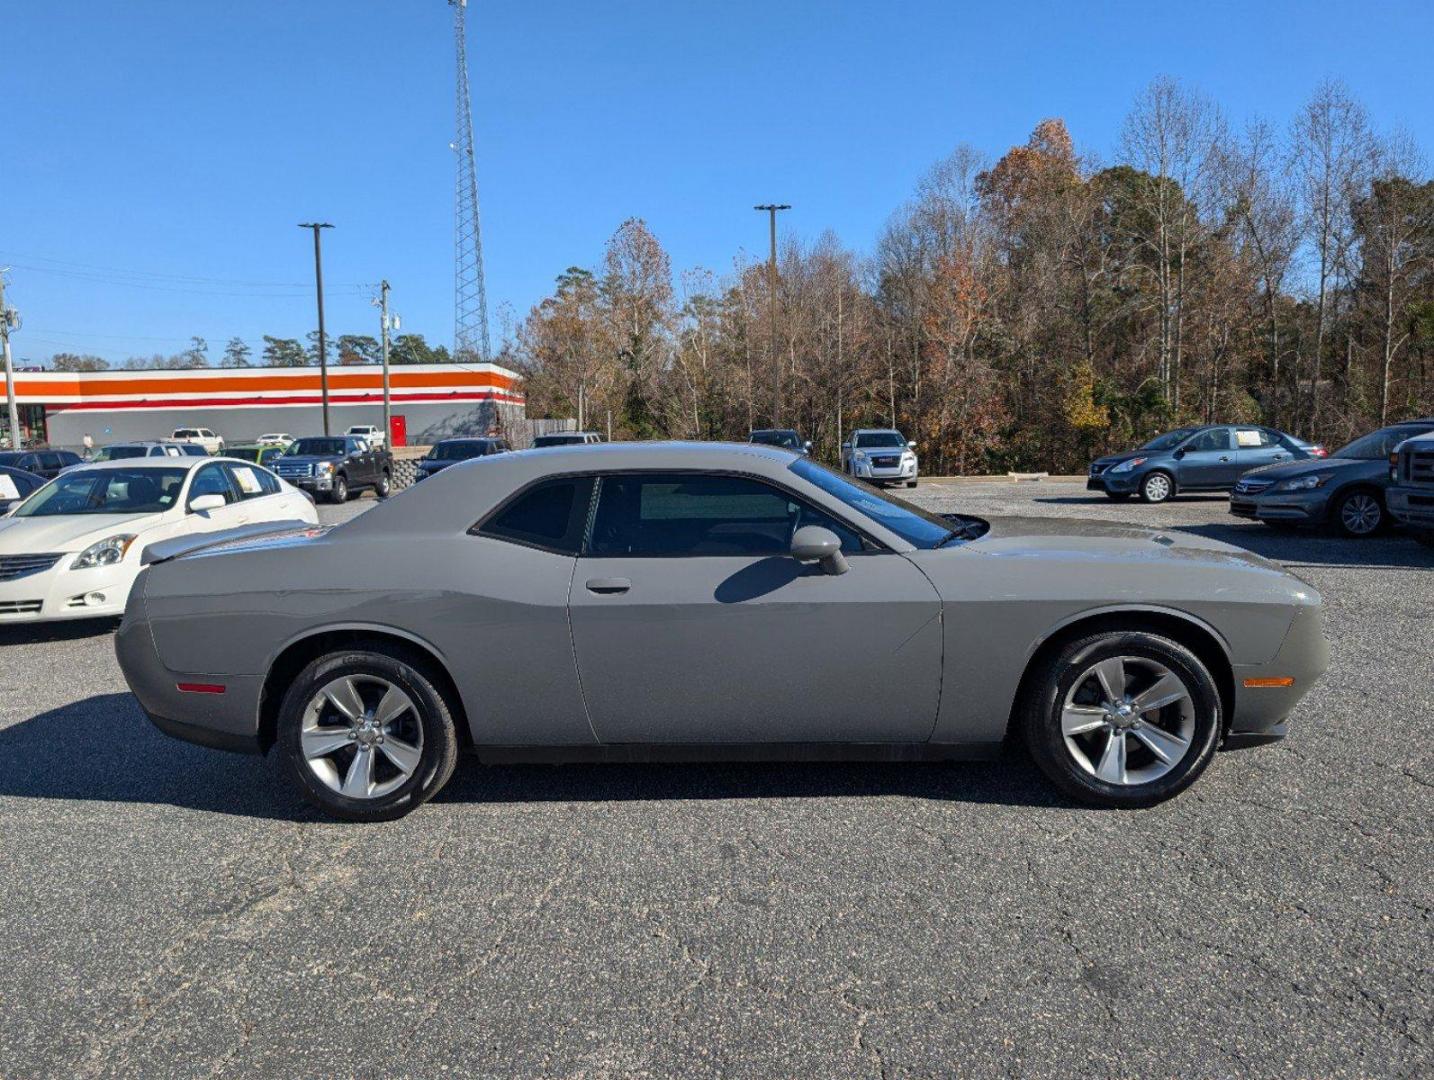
[165, 462]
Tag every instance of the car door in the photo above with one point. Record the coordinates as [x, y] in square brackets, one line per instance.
[1208, 460]
[1256, 446]
[691, 623]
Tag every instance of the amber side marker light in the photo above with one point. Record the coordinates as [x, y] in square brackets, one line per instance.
[200, 687]
[1260, 683]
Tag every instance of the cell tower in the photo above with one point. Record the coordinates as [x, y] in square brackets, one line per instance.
[470, 316]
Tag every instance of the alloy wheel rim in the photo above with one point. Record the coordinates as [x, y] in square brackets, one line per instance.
[1360, 514]
[1157, 488]
[361, 736]
[1128, 720]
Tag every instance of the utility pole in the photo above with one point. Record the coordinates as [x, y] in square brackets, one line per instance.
[383, 329]
[319, 289]
[9, 320]
[771, 209]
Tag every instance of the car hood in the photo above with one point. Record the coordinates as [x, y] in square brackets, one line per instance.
[1079, 540]
[434, 464]
[1288, 470]
[68, 532]
[1116, 459]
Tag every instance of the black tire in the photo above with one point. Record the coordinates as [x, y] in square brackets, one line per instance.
[381, 489]
[1060, 674]
[1353, 511]
[340, 491]
[1425, 538]
[911, 483]
[1157, 487]
[439, 751]
[1117, 496]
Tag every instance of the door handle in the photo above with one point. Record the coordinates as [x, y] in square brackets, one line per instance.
[1225, 458]
[608, 585]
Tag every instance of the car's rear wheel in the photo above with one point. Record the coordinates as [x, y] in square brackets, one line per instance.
[1122, 719]
[1358, 515]
[366, 734]
[340, 492]
[1157, 487]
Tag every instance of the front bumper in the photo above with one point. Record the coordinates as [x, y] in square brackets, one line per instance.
[1114, 483]
[1260, 713]
[1413, 506]
[224, 721]
[1295, 507]
[60, 593]
[885, 474]
[321, 482]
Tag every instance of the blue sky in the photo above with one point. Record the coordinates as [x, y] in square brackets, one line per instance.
[160, 152]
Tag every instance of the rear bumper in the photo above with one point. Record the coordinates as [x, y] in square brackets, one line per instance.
[226, 721]
[1411, 505]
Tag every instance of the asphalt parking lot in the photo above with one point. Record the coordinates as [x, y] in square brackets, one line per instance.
[174, 911]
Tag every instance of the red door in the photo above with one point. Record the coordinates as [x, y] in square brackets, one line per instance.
[397, 430]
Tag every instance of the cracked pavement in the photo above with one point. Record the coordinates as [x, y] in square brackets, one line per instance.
[174, 911]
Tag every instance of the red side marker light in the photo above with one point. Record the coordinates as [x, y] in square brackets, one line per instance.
[1258, 683]
[200, 687]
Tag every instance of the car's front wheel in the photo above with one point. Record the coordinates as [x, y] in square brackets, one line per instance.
[1359, 515]
[381, 489]
[911, 483]
[1157, 487]
[1122, 719]
[366, 735]
[340, 492]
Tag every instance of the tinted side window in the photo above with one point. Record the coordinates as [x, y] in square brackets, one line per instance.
[251, 483]
[551, 515]
[664, 514]
[1214, 439]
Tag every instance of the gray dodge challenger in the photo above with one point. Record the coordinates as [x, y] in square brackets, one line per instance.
[691, 601]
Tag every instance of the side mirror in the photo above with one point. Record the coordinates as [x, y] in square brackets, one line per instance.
[1178, 454]
[807, 446]
[846, 446]
[203, 503]
[813, 544]
[911, 445]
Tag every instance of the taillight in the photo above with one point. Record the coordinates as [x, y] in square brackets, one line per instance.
[1319, 451]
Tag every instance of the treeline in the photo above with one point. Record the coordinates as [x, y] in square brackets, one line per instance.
[276, 352]
[1038, 309]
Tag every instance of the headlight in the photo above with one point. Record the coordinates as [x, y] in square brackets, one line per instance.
[1304, 483]
[107, 552]
[324, 467]
[1126, 466]
[860, 455]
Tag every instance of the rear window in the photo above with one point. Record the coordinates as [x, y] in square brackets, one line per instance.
[551, 516]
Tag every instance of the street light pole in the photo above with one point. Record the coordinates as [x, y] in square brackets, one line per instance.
[383, 329]
[771, 209]
[319, 289]
[8, 319]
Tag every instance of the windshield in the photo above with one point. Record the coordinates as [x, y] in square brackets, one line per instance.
[787, 439]
[880, 439]
[556, 440]
[1170, 440]
[916, 526]
[1379, 444]
[318, 447]
[243, 453]
[119, 453]
[106, 491]
[456, 451]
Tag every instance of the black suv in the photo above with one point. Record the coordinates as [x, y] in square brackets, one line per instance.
[335, 466]
[46, 463]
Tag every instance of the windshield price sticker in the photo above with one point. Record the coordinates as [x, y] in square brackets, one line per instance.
[248, 482]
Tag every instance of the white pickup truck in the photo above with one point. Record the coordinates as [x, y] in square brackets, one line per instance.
[200, 436]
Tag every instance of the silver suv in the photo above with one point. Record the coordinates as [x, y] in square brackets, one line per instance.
[880, 455]
[1410, 498]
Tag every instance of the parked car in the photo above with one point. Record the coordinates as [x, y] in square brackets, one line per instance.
[199, 436]
[142, 449]
[260, 453]
[336, 466]
[370, 433]
[46, 463]
[1410, 497]
[275, 438]
[1210, 457]
[786, 438]
[451, 451]
[709, 601]
[73, 549]
[1345, 490]
[16, 486]
[881, 456]
[566, 438]
[1314, 449]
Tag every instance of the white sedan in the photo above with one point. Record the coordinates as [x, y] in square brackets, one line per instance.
[72, 549]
